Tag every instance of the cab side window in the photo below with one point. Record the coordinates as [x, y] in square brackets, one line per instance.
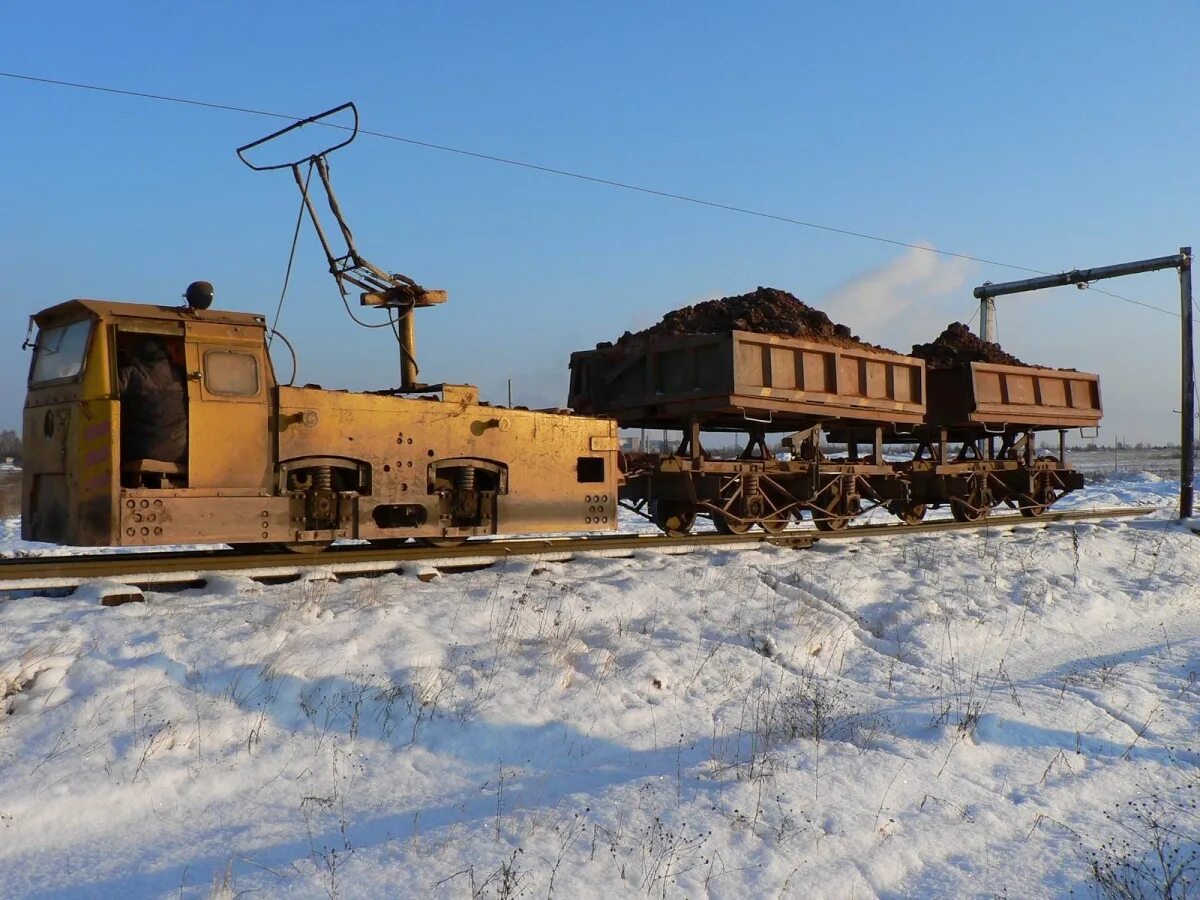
[230, 373]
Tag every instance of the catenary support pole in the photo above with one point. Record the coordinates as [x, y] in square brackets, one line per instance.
[987, 320]
[1082, 277]
[1187, 449]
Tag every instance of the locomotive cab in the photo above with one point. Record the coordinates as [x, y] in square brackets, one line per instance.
[91, 478]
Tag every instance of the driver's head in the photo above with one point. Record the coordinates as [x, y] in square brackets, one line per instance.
[150, 349]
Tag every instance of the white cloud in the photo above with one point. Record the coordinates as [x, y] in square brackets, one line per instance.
[907, 300]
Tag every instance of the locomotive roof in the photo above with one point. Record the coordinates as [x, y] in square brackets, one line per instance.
[120, 309]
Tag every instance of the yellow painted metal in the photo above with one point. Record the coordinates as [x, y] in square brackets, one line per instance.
[403, 440]
[283, 464]
[229, 441]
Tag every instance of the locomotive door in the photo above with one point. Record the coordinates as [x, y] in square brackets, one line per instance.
[228, 401]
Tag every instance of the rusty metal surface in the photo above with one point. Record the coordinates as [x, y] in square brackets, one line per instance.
[116, 309]
[1014, 396]
[728, 379]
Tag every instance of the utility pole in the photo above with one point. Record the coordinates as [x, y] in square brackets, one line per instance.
[1081, 278]
[1187, 450]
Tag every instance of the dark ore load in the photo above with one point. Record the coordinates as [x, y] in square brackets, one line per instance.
[731, 363]
[957, 346]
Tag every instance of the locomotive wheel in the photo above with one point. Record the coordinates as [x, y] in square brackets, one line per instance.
[303, 546]
[442, 543]
[908, 513]
[673, 517]
[730, 526]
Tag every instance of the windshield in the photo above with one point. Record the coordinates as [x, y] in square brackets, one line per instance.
[59, 352]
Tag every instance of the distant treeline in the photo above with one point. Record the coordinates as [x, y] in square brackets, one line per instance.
[1123, 445]
[10, 443]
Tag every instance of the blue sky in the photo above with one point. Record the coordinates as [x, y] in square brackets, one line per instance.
[1042, 135]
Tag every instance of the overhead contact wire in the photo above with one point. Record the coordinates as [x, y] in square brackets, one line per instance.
[565, 173]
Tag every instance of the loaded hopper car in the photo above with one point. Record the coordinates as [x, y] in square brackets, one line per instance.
[757, 384]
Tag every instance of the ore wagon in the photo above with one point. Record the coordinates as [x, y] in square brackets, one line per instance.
[970, 429]
[753, 384]
[977, 447]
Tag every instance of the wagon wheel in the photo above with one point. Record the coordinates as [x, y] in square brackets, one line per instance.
[776, 513]
[726, 525]
[974, 505]
[442, 543]
[1043, 497]
[828, 519]
[825, 522]
[965, 513]
[909, 513]
[774, 523]
[673, 517]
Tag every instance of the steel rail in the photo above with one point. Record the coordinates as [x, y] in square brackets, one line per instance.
[194, 566]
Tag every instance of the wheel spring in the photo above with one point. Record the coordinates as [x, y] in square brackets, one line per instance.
[323, 478]
[465, 478]
[750, 485]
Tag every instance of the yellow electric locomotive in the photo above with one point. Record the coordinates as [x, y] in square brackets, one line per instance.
[296, 466]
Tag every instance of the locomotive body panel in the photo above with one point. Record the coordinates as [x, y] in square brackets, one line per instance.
[543, 471]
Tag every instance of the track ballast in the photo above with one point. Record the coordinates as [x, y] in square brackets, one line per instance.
[174, 569]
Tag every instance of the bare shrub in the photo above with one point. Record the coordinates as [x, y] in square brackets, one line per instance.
[1156, 853]
[807, 707]
[505, 882]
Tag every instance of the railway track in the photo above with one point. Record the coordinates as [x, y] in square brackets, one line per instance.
[193, 567]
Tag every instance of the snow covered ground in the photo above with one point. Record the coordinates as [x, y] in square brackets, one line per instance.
[979, 714]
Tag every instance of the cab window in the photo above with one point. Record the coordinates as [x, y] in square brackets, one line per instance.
[230, 373]
[59, 352]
